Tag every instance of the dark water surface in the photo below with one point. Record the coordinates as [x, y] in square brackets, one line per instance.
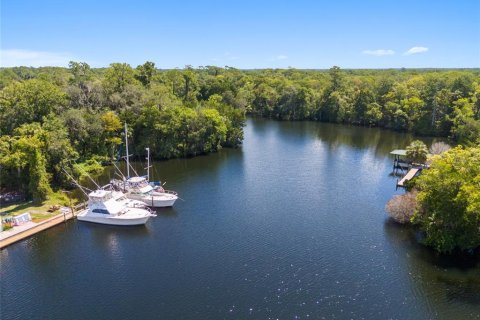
[290, 226]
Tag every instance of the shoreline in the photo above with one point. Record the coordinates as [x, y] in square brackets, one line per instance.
[38, 227]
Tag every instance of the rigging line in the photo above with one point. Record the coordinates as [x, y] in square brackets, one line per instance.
[129, 166]
[133, 169]
[91, 179]
[119, 173]
[76, 183]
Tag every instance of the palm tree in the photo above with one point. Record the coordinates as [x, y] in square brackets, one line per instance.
[417, 151]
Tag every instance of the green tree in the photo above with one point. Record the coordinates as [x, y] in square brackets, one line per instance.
[22, 153]
[465, 129]
[449, 200]
[373, 113]
[56, 148]
[111, 128]
[117, 77]
[81, 71]
[145, 73]
[234, 119]
[28, 101]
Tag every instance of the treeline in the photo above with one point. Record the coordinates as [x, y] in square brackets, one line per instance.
[51, 116]
[439, 103]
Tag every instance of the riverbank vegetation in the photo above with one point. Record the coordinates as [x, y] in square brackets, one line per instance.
[448, 208]
[51, 118]
[444, 201]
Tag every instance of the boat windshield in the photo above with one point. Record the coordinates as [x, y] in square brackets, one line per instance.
[137, 181]
[102, 211]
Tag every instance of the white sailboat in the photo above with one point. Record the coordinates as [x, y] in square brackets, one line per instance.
[139, 188]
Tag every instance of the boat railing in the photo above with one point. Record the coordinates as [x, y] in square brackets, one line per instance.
[170, 192]
[139, 205]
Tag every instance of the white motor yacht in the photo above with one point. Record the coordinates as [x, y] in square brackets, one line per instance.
[104, 208]
[138, 188]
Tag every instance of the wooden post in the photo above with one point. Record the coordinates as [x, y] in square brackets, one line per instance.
[70, 201]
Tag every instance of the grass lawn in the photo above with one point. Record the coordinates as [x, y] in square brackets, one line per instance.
[38, 210]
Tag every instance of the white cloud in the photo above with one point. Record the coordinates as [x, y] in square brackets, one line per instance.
[415, 50]
[379, 52]
[282, 57]
[31, 58]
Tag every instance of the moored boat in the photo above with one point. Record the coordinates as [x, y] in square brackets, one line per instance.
[139, 188]
[105, 209]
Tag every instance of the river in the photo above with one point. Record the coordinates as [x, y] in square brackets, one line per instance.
[289, 226]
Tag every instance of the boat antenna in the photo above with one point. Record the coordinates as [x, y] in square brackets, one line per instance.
[76, 183]
[126, 147]
[148, 163]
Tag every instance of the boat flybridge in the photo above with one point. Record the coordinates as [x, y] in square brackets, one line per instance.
[139, 188]
[121, 197]
[104, 208]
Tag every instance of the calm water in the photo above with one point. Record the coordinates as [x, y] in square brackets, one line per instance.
[290, 226]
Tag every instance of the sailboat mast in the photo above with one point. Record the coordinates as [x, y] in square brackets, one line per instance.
[126, 146]
[148, 163]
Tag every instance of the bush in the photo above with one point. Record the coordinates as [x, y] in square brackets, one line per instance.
[439, 148]
[402, 207]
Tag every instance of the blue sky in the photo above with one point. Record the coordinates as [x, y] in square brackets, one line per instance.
[242, 34]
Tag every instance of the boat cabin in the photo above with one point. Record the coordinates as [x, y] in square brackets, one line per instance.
[103, 201]
[139, 185]
[100, 195]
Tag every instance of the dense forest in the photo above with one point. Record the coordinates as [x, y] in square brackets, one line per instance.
[53, 117]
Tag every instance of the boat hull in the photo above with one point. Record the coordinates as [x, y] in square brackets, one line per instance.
[156, 201]
[114, 221]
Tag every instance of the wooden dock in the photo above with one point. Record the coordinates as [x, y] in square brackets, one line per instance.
[410, 174]
[46, 224]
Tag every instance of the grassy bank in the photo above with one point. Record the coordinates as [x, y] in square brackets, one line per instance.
[38, 210]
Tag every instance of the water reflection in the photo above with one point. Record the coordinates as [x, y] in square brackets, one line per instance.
[292, 224]
[170, 212]
[455, 278]
[334, 136]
